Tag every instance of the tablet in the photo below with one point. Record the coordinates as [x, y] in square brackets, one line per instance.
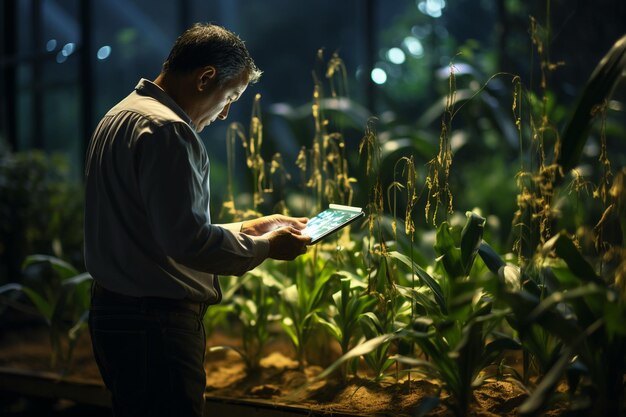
[334, 218]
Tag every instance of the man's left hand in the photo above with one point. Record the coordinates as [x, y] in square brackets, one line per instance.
[262, 225]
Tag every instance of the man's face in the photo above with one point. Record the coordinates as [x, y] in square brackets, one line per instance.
[217, 101]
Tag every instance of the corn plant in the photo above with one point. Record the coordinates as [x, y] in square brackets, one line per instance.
[388, 317]
[62, 296]
[303, 301]
[462, 338]
[557, 334]
[457, 329]
[587, 315]
[350, 308]
[254, 309]
[542, 349]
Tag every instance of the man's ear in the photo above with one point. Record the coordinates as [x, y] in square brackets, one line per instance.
[206, 77]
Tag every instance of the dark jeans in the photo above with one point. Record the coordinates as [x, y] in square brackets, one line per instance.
[150, 353]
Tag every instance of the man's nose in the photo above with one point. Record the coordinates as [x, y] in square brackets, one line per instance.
[224, 113]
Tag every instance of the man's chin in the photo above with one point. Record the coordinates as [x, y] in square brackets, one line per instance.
[200, 127]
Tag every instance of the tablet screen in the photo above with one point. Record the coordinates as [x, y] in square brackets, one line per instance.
[334, 218]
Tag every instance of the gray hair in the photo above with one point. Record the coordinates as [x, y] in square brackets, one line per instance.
[206, 44]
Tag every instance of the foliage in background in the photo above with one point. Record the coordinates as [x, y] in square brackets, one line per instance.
[41, 210]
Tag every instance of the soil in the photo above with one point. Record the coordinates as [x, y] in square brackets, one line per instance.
[279, 380]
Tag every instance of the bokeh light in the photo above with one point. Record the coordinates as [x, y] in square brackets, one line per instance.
[379, 76]
[396, 56]
[68, 49]
[61, 57]
[51, 45]
[432, 8]
[414, 46]
[104, 52]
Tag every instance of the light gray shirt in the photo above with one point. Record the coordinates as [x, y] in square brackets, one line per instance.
[148, 230]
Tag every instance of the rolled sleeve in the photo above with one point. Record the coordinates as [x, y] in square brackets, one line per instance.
[233, 227]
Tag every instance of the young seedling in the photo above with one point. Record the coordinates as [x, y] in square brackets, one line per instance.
[62, 296]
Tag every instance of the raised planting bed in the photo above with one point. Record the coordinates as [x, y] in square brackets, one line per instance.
[25, 371]
[39, 384]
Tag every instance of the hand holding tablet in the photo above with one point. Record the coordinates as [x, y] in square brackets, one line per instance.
[334, 218]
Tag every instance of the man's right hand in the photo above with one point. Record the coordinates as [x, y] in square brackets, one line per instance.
[287, 243]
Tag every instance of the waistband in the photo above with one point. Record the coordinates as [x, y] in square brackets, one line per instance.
[103, 298]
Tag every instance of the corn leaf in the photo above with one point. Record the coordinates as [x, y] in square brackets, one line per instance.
[222, 348]
[333, 329]
[524, 304]
[373, 325]
[360, 350]
[425, 277]
[291, 333]
[599, 88]
[73, 300]
[496, 347]
[565, 249]
[541, 395]
[471, 238]
[490, 258]
[450, 254]
[44, 307]
[571, 296]
[10, 287]
[64, 269]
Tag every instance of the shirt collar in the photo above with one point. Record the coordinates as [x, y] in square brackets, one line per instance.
[148, 88]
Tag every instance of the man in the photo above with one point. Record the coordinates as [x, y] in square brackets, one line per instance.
[149, 242]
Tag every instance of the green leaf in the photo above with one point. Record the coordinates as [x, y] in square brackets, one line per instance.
[450, 254]
[529, 310]
[496, 347]
[238, 351]
[78, 279]
[425, 277]
[332, 329]
[416, 363]
[358, 351]
[386, 365]
[600, 86]
[510, 277]
[319, 295]
[73, 300]
[471, 237]
[291, 333]
[373, 324]
[79, 326]
[565, 249]
[236, 283]
[550, 303]
[268, 280]
[490, 258]
[44, 307]
[10, 287]
[290, 294]
[540, 396]
[423, 301]
[64, 269]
